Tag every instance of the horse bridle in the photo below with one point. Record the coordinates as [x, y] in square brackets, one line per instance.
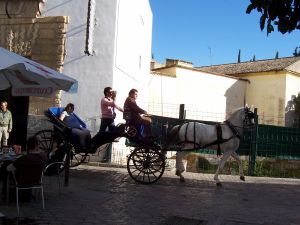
[248, 121]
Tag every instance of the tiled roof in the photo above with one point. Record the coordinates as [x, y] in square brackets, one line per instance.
[251, 67]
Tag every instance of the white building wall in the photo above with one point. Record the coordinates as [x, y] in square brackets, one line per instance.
[121, 39]
[212, 96]
[133, 50]
[292, 87]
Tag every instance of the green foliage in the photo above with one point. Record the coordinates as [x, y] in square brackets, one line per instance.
[296, 102]
[296, 52]
[264, 167]
[285, 14]
[239, 56]
[277, 168]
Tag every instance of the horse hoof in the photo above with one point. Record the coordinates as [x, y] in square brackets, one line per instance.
[219, 184]
[242, 178]
[182, 180]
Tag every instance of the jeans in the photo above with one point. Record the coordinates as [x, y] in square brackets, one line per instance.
[107, 123]
[110, 124]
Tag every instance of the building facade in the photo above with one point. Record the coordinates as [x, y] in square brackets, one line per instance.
[206, 96]
[108, 43]
[24, 31]
[99, 43]
[273, 83]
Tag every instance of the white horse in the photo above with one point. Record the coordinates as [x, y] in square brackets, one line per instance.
[224, 136]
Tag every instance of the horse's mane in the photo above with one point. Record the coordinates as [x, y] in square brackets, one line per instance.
[233, 114]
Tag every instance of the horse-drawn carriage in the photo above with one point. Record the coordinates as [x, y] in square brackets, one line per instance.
[147, 159]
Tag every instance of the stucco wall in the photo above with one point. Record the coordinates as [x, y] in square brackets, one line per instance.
[133, 50]
[42, 40]
[292, 86]
[204, 92]
[267, 92]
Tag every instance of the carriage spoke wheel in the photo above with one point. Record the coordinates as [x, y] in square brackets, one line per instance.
[145, 165]
[77, 158]
[46, 138]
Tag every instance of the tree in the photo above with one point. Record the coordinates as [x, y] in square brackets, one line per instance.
[296, 106]
[296, 102]
[253, 59]
[239, 56]
[277, 55]
[296, 52]
[285, 14]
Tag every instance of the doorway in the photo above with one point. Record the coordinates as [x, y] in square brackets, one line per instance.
[18, 105]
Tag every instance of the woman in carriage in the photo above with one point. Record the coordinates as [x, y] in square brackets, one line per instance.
[83, 134]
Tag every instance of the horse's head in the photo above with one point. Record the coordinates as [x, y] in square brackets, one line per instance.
[242, 118]
[248, 121]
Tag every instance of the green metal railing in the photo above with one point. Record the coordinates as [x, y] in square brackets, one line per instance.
[264, 141]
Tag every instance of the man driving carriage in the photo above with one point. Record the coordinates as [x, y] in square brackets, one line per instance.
[132, 113]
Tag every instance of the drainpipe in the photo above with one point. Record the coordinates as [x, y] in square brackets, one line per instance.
[90, 24]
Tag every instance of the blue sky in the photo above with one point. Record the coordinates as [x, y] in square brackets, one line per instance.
[211, 32]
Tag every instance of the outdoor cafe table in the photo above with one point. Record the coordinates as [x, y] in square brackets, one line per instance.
[6, 157]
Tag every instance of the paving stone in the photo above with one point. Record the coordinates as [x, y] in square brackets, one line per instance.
[175, 220]
[108, 196]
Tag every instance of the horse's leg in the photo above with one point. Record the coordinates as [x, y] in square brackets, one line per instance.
[179, 164]
[239, 161]
[220, 167]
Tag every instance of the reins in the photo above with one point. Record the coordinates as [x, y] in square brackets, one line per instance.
[233, 128]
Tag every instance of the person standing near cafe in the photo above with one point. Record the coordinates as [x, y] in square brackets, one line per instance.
[5, 123]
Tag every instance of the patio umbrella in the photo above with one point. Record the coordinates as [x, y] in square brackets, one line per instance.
[29, 78]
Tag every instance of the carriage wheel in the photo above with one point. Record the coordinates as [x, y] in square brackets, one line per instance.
[146, 165]
[76, 158]
[45, 138]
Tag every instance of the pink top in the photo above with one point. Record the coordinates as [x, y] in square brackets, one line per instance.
[107, 107]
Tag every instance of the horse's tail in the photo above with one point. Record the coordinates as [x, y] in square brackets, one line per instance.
[171, 137]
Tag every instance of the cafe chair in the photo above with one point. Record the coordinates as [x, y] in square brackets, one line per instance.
[28, 176]
[55, 169]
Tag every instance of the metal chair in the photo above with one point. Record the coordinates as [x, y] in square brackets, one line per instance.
[55, 169]
[26, 177]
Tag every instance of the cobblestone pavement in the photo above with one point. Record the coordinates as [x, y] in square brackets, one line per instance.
[108, 196]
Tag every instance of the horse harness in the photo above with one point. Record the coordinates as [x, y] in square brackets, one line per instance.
[220, 140]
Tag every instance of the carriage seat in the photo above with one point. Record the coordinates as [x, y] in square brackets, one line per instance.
[133, 129]
[56, 111]
[60, 125]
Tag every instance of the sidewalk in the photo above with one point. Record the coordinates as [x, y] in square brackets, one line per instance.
[108, 196]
